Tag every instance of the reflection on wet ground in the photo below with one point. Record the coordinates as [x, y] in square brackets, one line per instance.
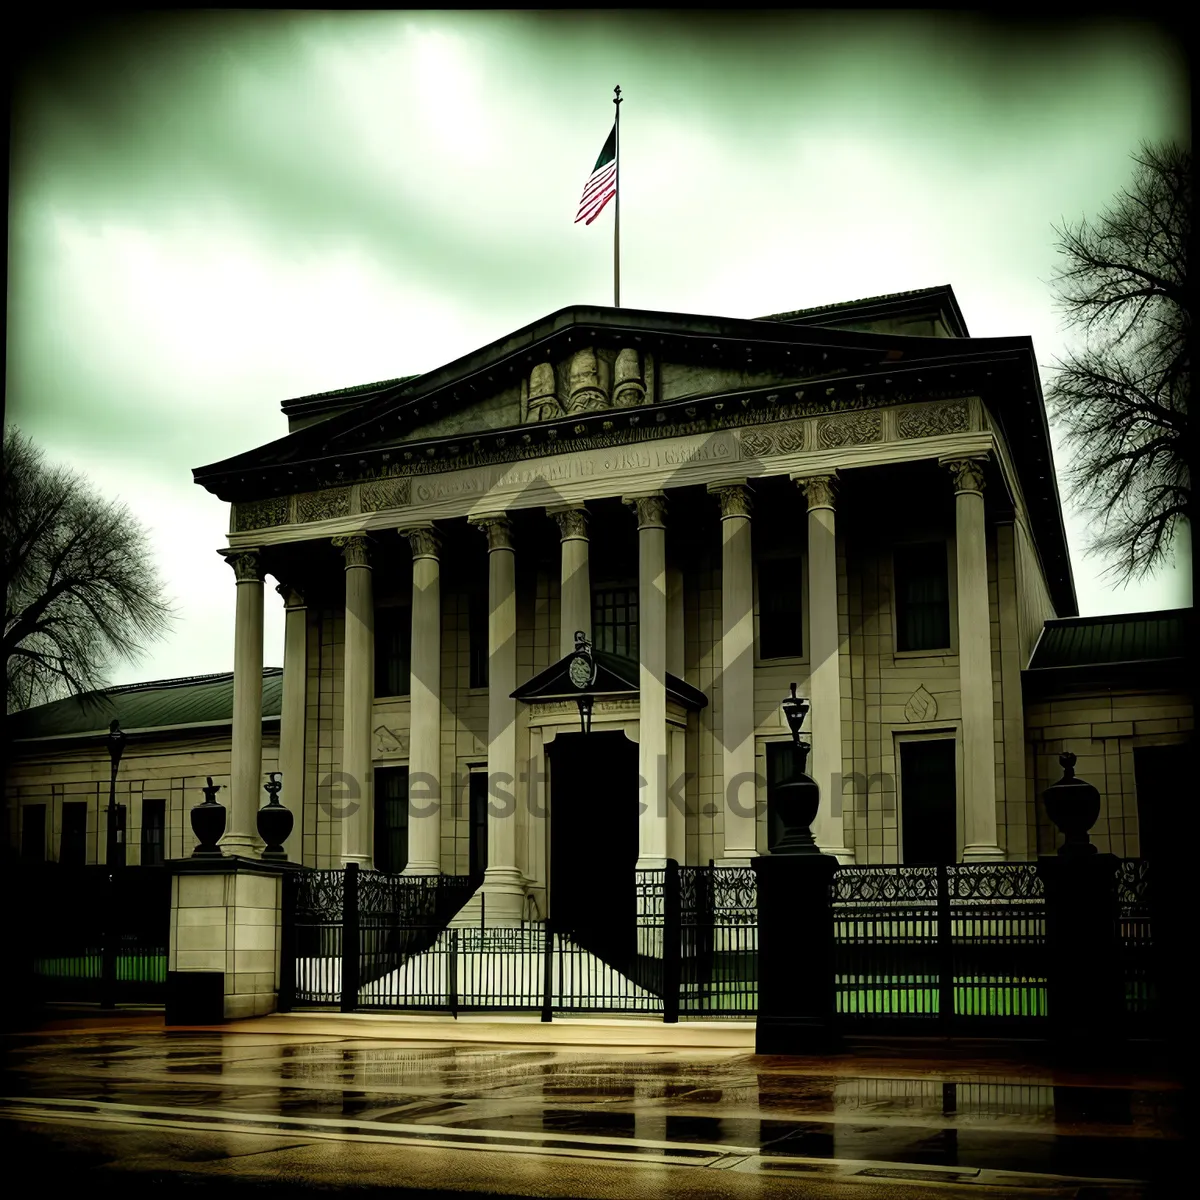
[1108, 1128]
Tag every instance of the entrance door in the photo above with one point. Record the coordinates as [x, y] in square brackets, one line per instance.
[929, 802]
[594, 839]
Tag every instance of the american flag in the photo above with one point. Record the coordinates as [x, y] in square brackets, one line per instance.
[601, 187]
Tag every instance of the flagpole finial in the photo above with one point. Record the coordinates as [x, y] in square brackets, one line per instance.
[617, 94]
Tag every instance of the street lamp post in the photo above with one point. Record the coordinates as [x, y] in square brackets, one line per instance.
[114, 857]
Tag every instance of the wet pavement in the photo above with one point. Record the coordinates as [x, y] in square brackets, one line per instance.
[644, 1121]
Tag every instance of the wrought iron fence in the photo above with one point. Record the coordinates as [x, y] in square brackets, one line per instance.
[718, 940]
[936, 948]
[1134, 905]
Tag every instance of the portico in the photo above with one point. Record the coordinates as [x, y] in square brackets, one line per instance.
[682, 525]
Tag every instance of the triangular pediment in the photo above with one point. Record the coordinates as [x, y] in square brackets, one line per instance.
[616, 676]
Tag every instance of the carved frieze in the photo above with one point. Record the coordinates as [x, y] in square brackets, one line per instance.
[389, 743]
[260, 514]
[324, 505]
[787, 438]
[558, 708]
[929, 420]
[851, 429]
[386, 493]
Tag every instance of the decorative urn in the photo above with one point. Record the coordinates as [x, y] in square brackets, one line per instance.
[274, 821]
[208, 823]
[796, 800]
[1073, 805]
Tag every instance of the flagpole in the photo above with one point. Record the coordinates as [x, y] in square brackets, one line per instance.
[617, 222]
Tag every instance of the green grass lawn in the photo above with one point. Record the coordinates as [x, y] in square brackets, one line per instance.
[149, 968]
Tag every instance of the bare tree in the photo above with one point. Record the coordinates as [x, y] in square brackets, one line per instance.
[1121, 400]
[80, 586]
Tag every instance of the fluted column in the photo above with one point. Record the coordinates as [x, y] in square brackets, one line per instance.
[504, 883]
[652, 678]
[575, 593]
[293, 713]
[425, 707]
[975, 664]
[358, 693]
[245, 759]
[824, 642]
[737, 674]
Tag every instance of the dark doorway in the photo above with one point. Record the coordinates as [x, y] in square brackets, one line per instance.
[1158, 772]
[594, 839]
[929, 802]
[391, 819]
[477, 846]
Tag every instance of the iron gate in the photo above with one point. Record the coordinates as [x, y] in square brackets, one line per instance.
[940, 949]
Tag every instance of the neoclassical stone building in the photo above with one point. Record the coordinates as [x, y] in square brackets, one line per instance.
[859, 499]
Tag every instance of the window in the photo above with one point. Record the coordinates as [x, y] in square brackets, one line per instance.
[478, 798]
[922, 585]
[783, 764]
[780, 595]
[154, 829]
[391, 819]
[73, 848]
[929, 802]
[393, 650]
[477, 618]
[33, 832]
[615, 620]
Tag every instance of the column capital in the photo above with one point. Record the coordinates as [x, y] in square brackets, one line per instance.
[498, 529]
[293, 595]
[425, 540]
[966, 472]
[247, 564]
[820, 490]
[735, 496]
[355, 549]
[572, 522]
[651, 509]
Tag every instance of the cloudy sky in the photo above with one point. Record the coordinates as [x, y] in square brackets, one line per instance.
[213, 212]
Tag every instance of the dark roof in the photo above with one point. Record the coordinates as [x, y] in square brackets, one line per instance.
[1129, 650]
[615, 676]
[891, 304]
[161, 704]
[1125, 637]
[319, 402]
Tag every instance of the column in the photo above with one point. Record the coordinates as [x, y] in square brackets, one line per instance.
[245, 759]
[425, 707]
[675, 620]
[503, 884]
[358, 694]
[652, 678]
[824, 683]
[294, 711]
[575, 593]
[737, 674]
[975, 664]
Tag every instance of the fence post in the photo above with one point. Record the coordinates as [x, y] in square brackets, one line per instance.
[672, 943]
[350, 939]
[290, 891]
[945, 951]
[548, 972]
[112, 937]
[452, 975]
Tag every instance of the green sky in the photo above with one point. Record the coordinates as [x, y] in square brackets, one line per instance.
[212, 212]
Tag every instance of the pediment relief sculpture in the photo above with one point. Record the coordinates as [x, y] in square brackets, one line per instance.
[592, 379]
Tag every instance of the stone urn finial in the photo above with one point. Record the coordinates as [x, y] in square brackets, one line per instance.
[274, 821]
[1073, 805]
[208, 823]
